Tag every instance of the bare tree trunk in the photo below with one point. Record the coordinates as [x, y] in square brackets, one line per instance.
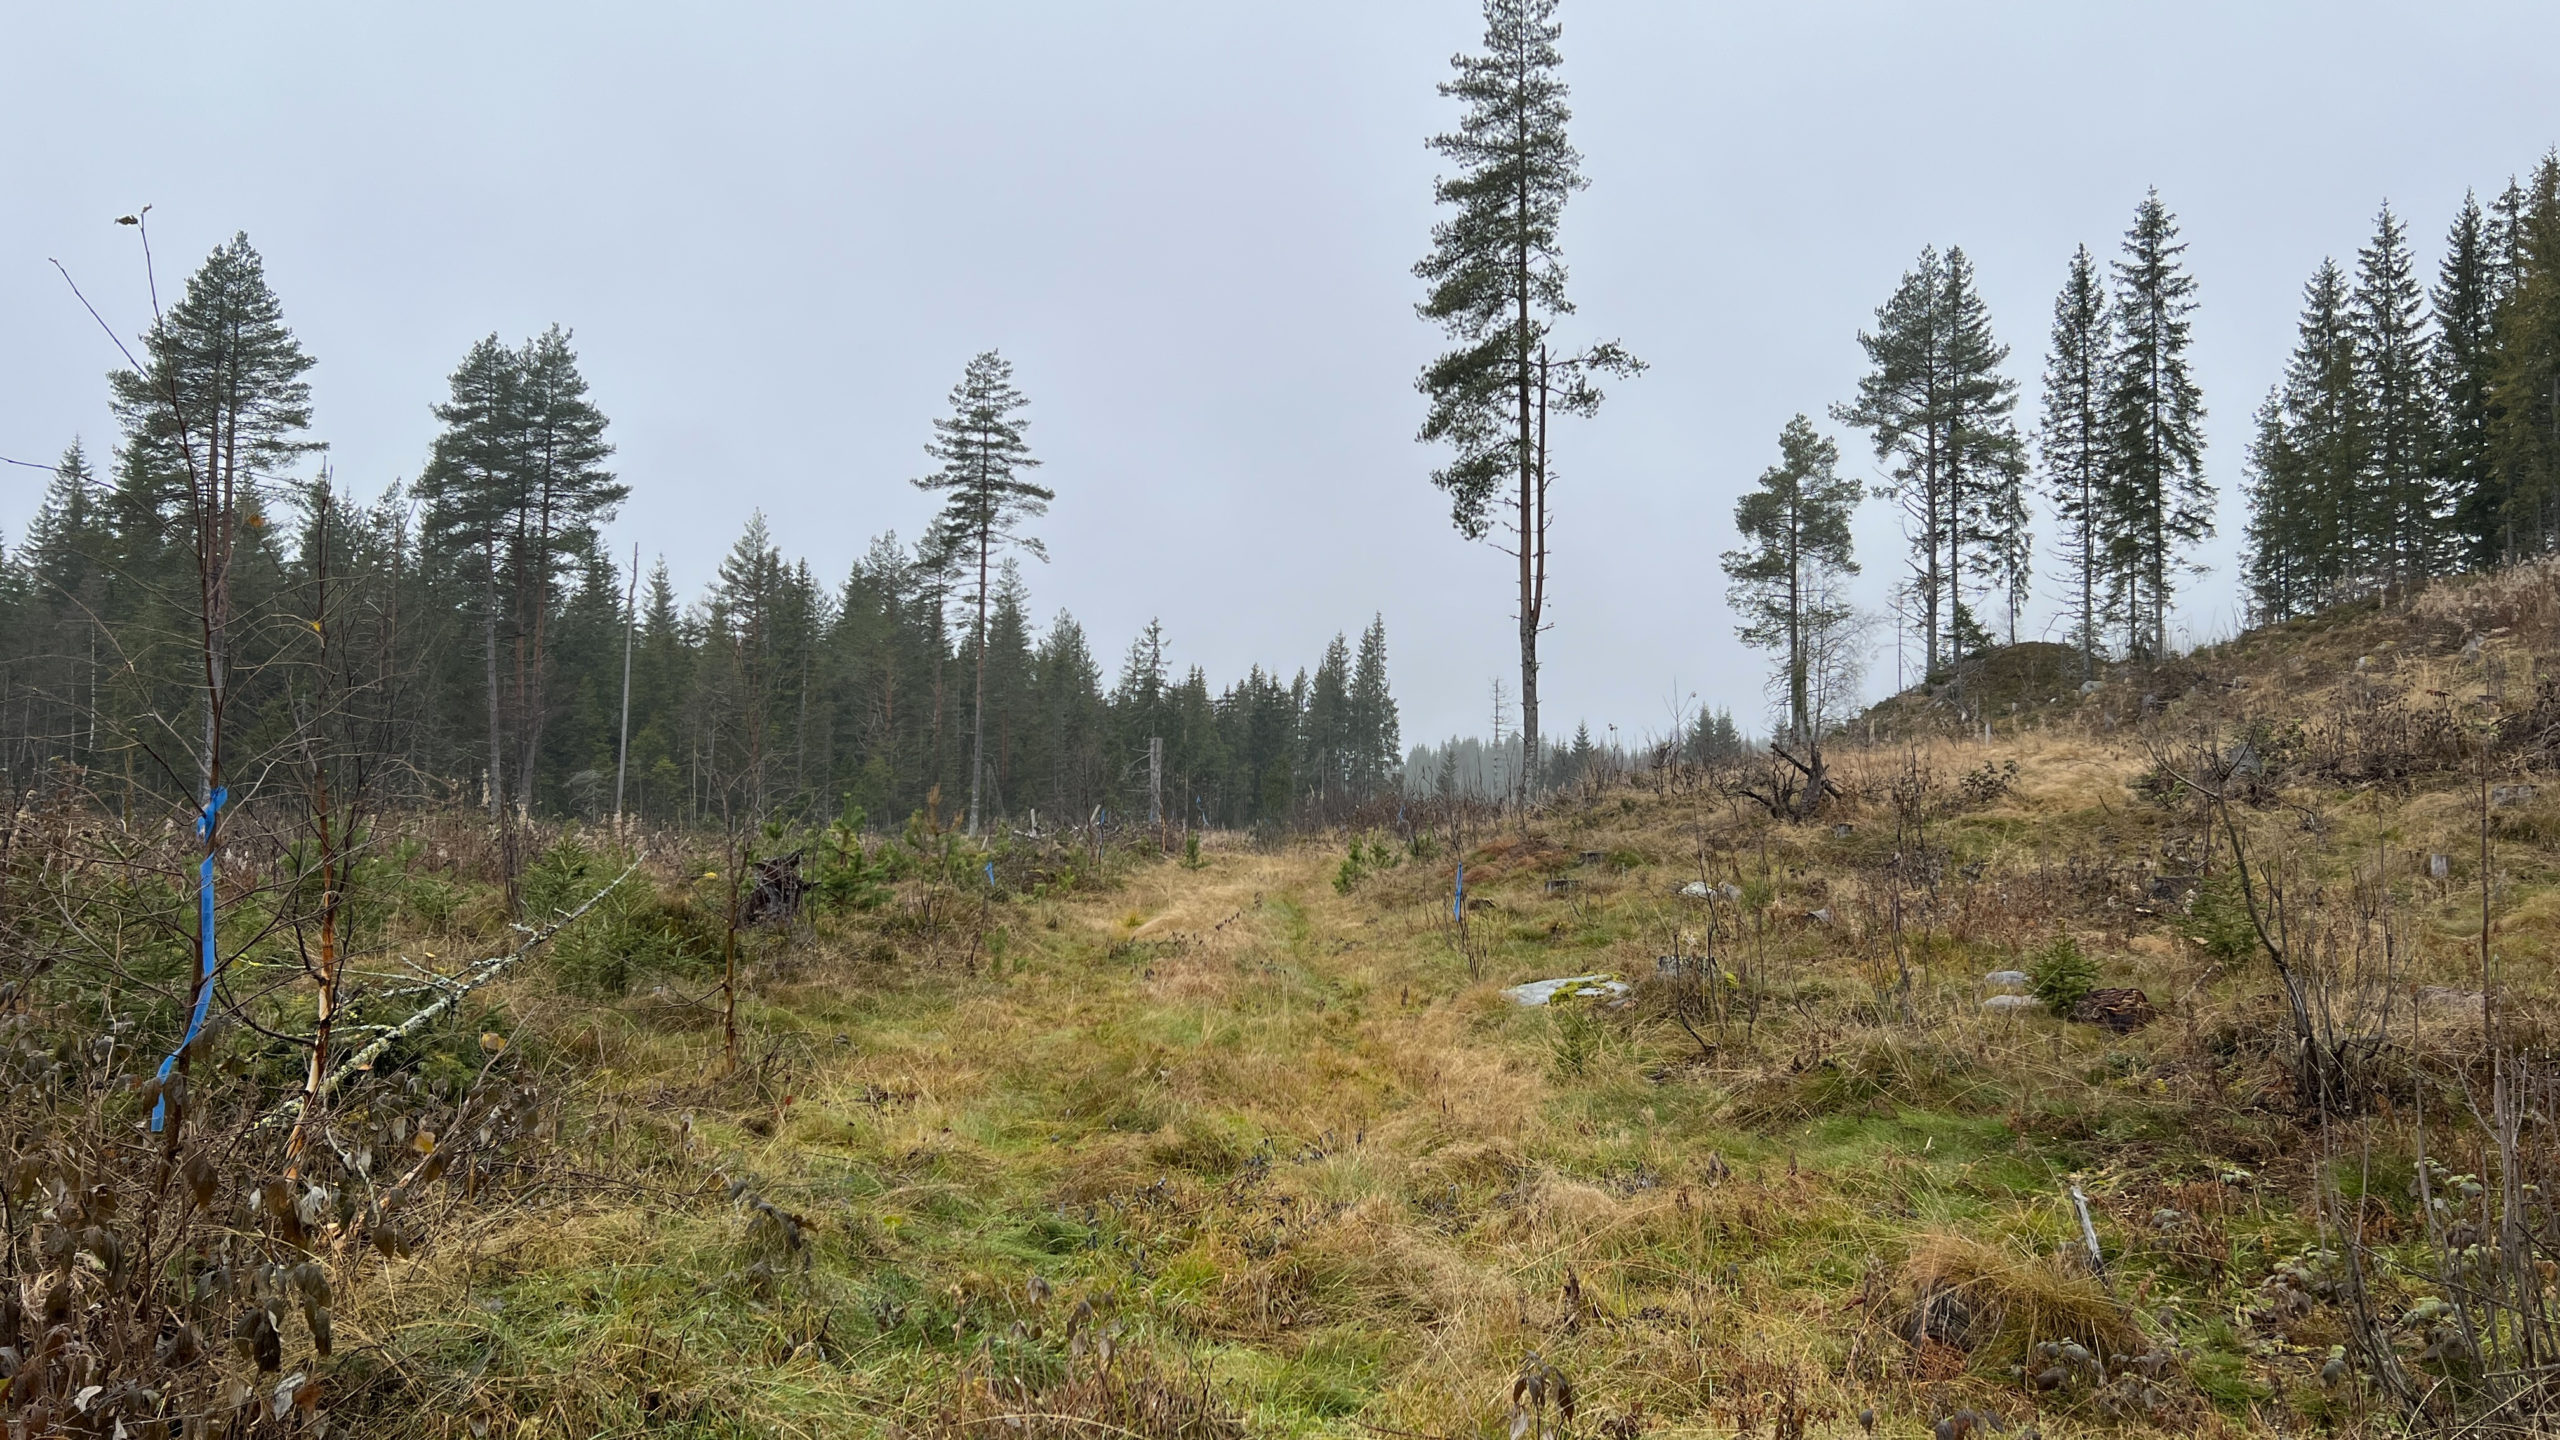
[489, 648]
[215, 521]
[978, 708]
[1798, 702]
[531, 687]
[1531, 487]
[622, 747]
[325, 974]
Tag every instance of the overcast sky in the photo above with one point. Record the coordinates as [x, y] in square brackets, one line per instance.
[779, 232]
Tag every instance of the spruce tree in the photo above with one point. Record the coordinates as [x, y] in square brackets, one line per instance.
[2071, 440]
[1326, 743]
[1194, 754]
[2271, 563]
[1497, 280]
[661, 677]
[2465, 307]
[737, 674]
[1796, 533]
[2397, 406]
[1986, 518]
[1377, 744]
[1713, 738]
[2312, 522]
[62, 618]
[1138, 698]
[1579, 754]
[983, 458]
[2158, 501]
[1010, 723]
[801, 699]
[66, 539]
[1071, 718]
[2526, 427]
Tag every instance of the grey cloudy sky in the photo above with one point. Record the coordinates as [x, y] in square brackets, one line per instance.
[779, 232]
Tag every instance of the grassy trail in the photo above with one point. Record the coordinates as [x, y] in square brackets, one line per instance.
[1264, 1132]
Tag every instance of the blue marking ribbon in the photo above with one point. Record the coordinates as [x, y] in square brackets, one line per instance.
[991, 874]
[1458, 897]
[204, 928]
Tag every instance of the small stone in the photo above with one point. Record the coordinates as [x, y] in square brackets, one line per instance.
[2006, 980]
[2014, 1005]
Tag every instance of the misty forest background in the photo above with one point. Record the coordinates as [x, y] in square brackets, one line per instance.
[489, 625]
[2416, 432]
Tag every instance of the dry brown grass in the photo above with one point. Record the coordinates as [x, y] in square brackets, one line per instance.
[1323, 1181]
[1994, 1302]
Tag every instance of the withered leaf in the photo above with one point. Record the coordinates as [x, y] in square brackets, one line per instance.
[200, 1176]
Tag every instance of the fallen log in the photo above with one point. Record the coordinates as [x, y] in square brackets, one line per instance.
[450, 993]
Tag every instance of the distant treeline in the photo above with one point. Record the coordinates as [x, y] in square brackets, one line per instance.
[1469, 768]
[474, 628]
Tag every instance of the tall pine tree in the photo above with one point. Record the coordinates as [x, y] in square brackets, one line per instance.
[1795, 529]
[984, 458]
[514, 492]
[1903, 404]
[466, 491]
[218, 412]
[1940, 415]
[563, 494]
[1497, 281]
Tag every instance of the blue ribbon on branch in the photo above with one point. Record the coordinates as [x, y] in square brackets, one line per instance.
[204, 928]
[1458, 895]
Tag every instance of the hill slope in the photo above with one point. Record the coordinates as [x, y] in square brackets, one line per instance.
[1257, 1146]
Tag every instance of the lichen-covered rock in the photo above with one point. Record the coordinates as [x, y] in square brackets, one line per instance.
[1571, 987]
